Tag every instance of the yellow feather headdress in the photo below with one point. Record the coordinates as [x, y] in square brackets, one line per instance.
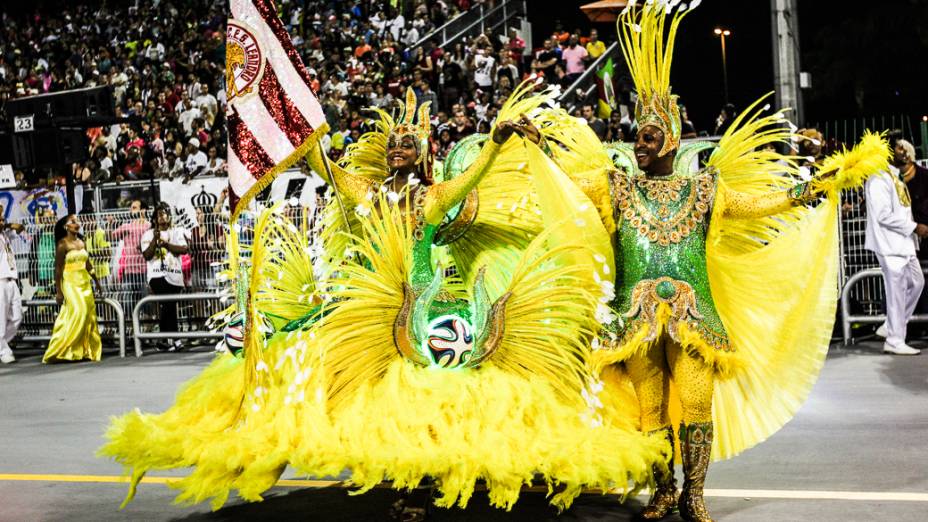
[648, 55]
[368, 157]
[409, 126]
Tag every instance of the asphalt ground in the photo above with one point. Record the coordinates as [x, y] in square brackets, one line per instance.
[855, 451]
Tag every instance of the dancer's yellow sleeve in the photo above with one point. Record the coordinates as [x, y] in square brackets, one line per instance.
[739, 205]
[352, 187]
[441, 198]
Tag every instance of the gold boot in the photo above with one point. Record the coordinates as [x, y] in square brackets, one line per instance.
[664, 499]
[696, 446]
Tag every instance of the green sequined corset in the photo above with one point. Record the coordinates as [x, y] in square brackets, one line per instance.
[433, 327]
[661, 255]
[421, 273]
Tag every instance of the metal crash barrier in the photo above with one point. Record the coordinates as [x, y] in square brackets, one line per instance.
[137, 333]
[120, 323]
[847, 319]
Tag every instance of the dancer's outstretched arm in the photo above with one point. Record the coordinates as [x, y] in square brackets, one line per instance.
[747, 206]
[442, 197]
[352, 187]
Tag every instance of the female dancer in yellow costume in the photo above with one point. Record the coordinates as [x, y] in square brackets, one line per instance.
[75, 335]
[388, 369]
[726, 280]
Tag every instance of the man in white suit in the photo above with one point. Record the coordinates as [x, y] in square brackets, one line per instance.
[11, 302]
[891, 236]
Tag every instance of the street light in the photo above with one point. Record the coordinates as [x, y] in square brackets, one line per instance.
[722, 32]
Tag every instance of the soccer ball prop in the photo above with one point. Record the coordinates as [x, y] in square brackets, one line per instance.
[234, 333]
[449, 342]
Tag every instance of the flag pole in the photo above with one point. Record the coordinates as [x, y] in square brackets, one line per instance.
[338, 196]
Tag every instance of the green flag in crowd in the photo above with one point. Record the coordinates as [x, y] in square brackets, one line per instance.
[606, 88]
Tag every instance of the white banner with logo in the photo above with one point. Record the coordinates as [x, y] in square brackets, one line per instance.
[184, 198]
[293, 184]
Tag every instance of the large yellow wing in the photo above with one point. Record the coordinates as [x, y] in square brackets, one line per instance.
[503, 217]
[774, 280]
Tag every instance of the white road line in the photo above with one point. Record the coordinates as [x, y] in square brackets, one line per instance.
[819, 495]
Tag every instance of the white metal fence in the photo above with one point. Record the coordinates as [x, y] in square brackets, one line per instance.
[112, 239]
[866, 296]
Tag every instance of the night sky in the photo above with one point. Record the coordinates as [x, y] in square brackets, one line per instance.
[865, 57]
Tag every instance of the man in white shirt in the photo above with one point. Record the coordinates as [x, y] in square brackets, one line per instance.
[891, 236]
[11, 301]
[484, 69]
[411, 36]
[397, 25]
[196, 160]
[155, 51]
[186, 118]
[208, 100]
[162, 246]
[184, 104]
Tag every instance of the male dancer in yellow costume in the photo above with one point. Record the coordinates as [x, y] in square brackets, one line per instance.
[726, 276]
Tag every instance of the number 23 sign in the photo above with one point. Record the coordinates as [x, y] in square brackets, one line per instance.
[24, 123]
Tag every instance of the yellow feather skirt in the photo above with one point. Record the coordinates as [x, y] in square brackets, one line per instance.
[465, 426]
[457, 427]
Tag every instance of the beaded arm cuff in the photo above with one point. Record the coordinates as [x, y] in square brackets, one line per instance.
[801, 194]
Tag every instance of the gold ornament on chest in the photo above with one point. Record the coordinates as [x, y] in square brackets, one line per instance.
[902, 190]
[662, 225]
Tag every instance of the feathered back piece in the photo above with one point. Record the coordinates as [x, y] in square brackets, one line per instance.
[368, 156]
[744, 164]
[649, 55]
[742, 159]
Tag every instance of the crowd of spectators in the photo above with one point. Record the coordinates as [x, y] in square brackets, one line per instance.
[164, 60]
[366, 53]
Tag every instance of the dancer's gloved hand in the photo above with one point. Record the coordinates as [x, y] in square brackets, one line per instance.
[810, 191]
[523, 127]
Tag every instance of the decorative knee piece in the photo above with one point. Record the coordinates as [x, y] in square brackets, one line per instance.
[696, 446]
[664, 499]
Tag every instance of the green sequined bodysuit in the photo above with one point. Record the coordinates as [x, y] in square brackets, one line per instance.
[420, 276]
[661, 227]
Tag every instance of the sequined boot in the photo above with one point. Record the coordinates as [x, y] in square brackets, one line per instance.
[664, 499]
[696, 446]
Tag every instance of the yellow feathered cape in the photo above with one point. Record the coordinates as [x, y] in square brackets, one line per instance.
[339, 397]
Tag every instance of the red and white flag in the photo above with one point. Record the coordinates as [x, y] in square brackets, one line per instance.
[273, 116]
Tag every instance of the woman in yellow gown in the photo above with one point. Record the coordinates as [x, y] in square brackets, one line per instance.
[75, 335]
